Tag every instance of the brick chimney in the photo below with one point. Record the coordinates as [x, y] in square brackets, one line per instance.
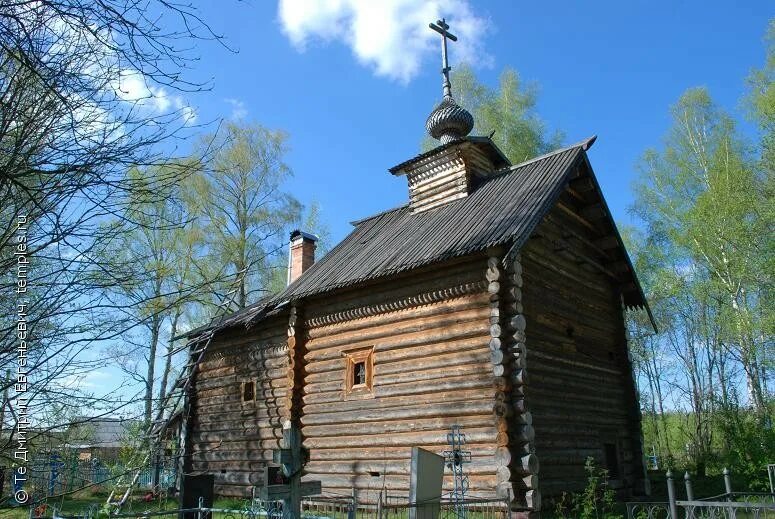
[301, 255]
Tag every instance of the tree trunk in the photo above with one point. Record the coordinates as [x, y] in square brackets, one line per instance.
[155, 326]
[168, 361]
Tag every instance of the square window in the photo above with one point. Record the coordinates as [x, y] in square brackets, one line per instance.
[248, 391]
[359, 372]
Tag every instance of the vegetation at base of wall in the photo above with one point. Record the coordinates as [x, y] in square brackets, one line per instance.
[596, 501]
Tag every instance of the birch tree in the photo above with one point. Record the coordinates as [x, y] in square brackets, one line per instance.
[239, 199]
[704, 197]
[78, 85]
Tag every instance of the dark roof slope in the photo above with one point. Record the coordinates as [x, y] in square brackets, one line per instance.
[504, 209]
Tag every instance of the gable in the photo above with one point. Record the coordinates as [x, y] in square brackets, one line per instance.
[582, 200]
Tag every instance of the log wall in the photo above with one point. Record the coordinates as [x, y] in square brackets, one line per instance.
[432, 368]
[527, 354]
[230, 438]
[579, 384]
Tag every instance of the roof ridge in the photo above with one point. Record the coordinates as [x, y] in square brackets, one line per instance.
[584, 145]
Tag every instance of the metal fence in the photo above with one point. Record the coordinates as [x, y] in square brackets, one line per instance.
[648, 510]
[729, 505]
[322, 507]
[347, 508]
[705, 509]
[49, 478]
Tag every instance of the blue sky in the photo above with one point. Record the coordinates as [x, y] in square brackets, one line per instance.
[606, 68]
[353, 97]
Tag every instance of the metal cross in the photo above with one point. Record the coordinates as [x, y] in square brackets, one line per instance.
[441, 27]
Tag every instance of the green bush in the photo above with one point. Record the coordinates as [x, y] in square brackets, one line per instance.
[596, 501]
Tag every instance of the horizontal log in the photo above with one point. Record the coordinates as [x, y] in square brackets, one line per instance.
[394, 482]
[461, 408]
[234, 425]
[475, 467]
[391, 385]
[568, 274]
[236, 399]
[440, 424]
[267, 442]
[574, 363]
[451, 306]
[419, 299]
[399, 401]
[206, 381]
[427, 330]
[219, 455]
[423, 349]
[258, 338]
[228, 466]
[473, 435]
[371, 454]
[219, 436]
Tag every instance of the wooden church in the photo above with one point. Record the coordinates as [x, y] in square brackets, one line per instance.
[493, 299]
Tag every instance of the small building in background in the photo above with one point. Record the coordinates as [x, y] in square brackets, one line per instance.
[100, 438]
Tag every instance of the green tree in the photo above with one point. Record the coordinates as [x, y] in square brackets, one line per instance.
[239, 202]
[508, 111]
[761, 101]
[702, 201]
[151, 258]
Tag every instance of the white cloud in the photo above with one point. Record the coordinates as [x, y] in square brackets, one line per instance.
[238, 108]
[133, 87]
[82, 381]
[392, 36]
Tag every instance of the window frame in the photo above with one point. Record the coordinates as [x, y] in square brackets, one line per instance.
[363, 356]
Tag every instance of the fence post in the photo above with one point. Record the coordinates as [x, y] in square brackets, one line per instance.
[688, 483]
[671, 495]
[199, 511]
[727, 482]
[353, 505]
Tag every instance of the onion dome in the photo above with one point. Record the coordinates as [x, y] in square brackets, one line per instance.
[449, 121]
